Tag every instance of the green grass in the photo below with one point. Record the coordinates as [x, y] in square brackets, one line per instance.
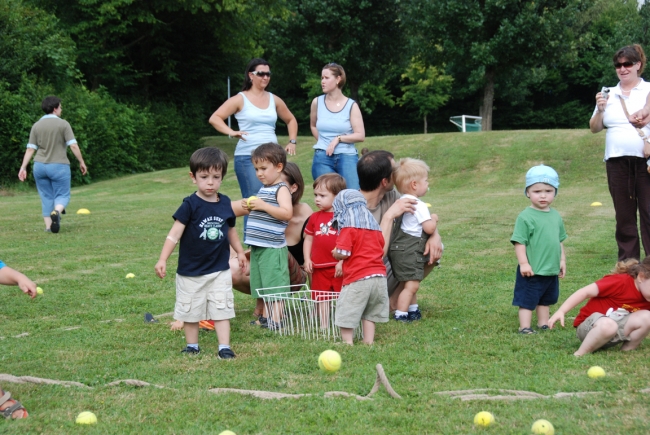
[466, 340]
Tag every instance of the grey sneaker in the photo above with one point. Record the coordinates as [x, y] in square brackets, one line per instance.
[226, 353]
[191, 351]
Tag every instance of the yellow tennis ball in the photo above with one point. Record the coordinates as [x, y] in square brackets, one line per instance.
[83, 211]
[329, 361]
[86, 417]
[130, 275]
[596, 204]
[227, 432]
[248, 201]
[484, 419]
[39, 290]
[596, 372]
[543, 427]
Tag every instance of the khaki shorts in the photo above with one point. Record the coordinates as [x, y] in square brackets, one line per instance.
[205, 297]
[366, 299]
[588, 324]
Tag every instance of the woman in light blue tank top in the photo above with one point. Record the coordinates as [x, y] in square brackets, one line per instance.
[337, 125]
[256, 111]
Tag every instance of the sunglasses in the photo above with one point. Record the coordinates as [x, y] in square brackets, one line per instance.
[627, 64]
[261, 73]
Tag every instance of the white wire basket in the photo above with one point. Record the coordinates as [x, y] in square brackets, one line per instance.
[300, 311]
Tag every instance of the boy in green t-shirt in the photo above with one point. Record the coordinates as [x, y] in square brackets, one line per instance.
[538, 236]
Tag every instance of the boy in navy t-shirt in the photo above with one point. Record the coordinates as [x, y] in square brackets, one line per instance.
[205, 226]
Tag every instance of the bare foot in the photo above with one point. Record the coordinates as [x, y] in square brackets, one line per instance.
[177, 325]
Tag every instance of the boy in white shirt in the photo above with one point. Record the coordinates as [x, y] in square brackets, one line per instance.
[409, 236]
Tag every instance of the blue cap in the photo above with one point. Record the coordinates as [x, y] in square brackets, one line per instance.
[542, 174]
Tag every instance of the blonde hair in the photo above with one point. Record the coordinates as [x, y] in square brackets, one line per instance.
[409, 170]
[632, 267]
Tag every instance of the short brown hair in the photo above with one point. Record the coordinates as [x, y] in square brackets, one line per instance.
[338, 71]
[272, 152]
[407, 171]
[207, 158]
[333, 182]
[633, 53]
[292, 172]
[50, 103]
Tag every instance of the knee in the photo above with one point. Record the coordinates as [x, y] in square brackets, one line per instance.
[606, 326]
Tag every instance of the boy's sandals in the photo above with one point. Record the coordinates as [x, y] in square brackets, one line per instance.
[9, 407]
[527, 331]
[261, 321]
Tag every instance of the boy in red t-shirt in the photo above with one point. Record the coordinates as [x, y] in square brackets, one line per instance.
[618, 310]
[364, 296]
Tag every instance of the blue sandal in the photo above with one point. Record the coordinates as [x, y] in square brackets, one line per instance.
[527, 331]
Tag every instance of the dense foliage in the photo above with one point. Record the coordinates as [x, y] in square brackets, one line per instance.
[140, 79]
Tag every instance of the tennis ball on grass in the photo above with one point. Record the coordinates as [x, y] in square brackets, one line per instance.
[543, 427]
[130, 275]
[83, 211]
[596, 372]
[248, 201]
[484, 419]
[86, 417]
[227, 432]
[596, 204]
[329, 361]
[39, 290]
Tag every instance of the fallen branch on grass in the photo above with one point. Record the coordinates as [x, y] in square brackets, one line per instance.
[481, 394]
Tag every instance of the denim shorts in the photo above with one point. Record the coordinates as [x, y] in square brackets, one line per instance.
[53, 184]
[343, 164]
[531, 291]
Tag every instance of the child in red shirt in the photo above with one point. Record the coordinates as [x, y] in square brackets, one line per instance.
[320, 237]
[618, 310]
[364, 295]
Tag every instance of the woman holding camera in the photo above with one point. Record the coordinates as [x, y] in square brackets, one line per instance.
[627, 149]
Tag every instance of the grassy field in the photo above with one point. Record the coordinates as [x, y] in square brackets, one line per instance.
[88, 326]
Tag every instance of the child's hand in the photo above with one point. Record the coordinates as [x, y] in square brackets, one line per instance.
[176, 325]
[254, 203]
[559, 315]
[243, 263]
[27, 286]
[161, 268]
[562, 269]
[338, 270]
[308, 266]
[526, 270]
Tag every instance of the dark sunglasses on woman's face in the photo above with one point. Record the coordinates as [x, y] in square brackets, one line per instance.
[262, 73]
[626, 64]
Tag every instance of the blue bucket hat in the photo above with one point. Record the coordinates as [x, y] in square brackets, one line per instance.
[542, 174]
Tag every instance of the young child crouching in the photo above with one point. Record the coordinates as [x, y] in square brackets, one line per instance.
[537, 237]
[205, 227]
[409, 236]
[360, 244]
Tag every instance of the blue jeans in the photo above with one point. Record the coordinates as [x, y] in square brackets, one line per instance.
[249, 184]
[53, 184]
[343, 164]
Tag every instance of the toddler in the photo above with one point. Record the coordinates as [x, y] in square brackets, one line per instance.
[537, 237]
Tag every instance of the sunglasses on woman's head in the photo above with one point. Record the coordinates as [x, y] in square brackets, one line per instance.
[626, 64]
[262, 73]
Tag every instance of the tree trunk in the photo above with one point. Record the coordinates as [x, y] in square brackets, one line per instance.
[425, 124]
[488, 100]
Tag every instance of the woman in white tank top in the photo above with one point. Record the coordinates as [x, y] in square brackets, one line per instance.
[256, 111]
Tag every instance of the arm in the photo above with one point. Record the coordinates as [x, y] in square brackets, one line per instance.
[590, 291]
[284, 211]
[22, 173]
[239, 207]
[641, 118]
[306, 252]
[562, 261]
[77, 153]
[9, 276]
[339, 256]
[233, 238]
[522, 259]
[230, 107]
[358, 131]
[292, 125]
[433, 248]
[313, 117]
[399, 207]
[170, 243]
[430, 226]
[596, 121]
[338, 269]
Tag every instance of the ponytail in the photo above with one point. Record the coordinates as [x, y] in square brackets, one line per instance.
[633, 268]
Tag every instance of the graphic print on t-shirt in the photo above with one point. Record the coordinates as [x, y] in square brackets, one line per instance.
[326, 229]
[211, 228]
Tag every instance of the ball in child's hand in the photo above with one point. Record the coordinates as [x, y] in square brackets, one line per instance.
[484, 419]
[248, 201]
[39, 290]
[543, 427]
[86, 417]
[130, 275]
[596, 372]
[329, 361]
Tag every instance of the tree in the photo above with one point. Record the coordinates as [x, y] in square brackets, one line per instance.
[493, 42]
[427, 90]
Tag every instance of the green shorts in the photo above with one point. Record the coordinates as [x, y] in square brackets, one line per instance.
[365, 299]
[406, 255]
[588, 324]
[269, 268]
